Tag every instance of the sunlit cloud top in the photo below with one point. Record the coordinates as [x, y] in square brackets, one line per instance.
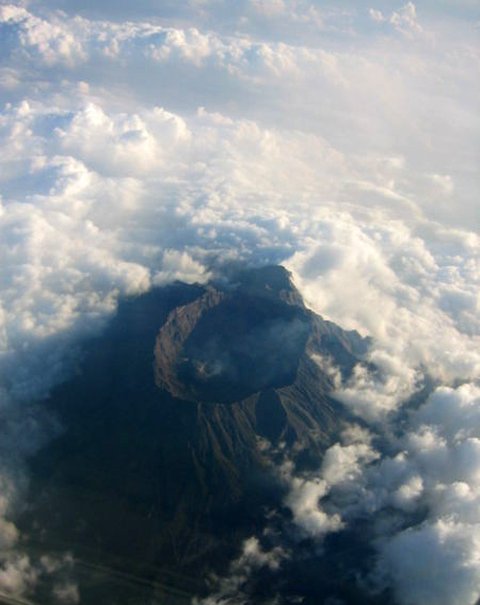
[148, 142]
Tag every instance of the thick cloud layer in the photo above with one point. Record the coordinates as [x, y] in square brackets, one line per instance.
[140, 147]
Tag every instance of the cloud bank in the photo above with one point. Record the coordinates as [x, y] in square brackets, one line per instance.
[142, 147]
[417, 506]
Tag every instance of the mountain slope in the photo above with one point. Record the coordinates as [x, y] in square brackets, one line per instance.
[161, 465]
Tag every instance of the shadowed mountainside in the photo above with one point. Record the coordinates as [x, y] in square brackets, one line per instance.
[160, 468]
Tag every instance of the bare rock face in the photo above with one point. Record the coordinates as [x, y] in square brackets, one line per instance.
[245, 338]
[229, 345]
[252, 359]
[170, 343]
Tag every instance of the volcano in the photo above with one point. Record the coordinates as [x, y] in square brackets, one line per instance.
[161, 465]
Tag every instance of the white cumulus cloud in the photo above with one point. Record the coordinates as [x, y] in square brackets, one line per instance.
[141, 147]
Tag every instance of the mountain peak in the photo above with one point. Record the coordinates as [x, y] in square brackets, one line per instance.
[271, 281]
[235, 340]
[174, 471]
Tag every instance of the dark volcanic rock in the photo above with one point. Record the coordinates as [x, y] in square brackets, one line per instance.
[243, 339]
[160, 466]
[225, 347]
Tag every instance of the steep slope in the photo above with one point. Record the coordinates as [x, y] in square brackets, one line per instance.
[161, 464]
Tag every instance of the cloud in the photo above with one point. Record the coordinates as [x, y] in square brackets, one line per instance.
[455, 411]
[139, 149]
[376, 15]
[234, 587]
[401, 275]
[341, 464]
[428, 549]
[17, 576]
[67, 593]
[446, 550]
[416, 500]
[404, 20]
[20, 575]
[303, 501]
[52, 42]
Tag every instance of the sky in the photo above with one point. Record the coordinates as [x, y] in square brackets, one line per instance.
[148, 142]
